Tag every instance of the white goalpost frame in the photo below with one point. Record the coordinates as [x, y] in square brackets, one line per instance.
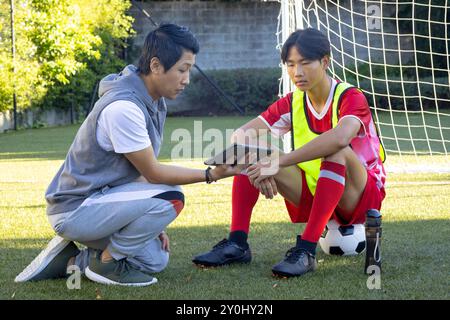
[295, 15]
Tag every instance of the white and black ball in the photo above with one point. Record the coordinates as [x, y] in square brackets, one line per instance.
[343, 240]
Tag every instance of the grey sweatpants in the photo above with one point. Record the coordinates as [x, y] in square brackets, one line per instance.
[126, 219]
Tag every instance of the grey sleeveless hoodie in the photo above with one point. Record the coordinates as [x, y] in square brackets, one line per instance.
[87, 167]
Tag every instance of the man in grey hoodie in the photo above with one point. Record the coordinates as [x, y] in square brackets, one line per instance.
[111, 193]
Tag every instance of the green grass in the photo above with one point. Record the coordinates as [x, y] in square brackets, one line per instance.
[416, 224]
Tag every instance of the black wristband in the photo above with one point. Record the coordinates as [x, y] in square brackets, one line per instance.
[208, 177]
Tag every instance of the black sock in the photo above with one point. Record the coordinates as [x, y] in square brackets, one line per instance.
[306, 245]
[239, 237]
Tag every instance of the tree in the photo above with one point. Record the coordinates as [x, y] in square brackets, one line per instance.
[57, 41]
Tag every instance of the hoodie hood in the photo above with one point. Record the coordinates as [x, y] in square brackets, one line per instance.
[129, 80]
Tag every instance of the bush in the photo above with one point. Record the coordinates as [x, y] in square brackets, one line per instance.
[252, 89]
[386, 83]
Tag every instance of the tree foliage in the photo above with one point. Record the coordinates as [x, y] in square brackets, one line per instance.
[62, 47]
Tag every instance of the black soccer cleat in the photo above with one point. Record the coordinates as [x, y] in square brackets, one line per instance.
[224, 253]
[297, 262]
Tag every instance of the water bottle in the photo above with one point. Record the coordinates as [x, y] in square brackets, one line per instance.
[373, 239]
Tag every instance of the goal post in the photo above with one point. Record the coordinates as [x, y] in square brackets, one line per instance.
[398, 53]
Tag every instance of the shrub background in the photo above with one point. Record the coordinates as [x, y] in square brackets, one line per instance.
[252, 89]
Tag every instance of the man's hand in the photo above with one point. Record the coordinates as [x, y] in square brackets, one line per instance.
[226, 170]
[165, 244]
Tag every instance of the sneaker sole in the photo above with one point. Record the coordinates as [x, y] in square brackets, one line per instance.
[54, 247]
[226, 263]
[100, 279]
[281, 274]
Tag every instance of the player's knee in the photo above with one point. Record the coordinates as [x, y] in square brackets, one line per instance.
[339, 156]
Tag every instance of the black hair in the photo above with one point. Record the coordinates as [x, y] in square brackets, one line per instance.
[310, 43]
[167, 43]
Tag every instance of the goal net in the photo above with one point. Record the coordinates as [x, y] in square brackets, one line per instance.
[398, 54]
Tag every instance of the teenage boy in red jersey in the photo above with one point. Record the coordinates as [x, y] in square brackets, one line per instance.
[334, 171]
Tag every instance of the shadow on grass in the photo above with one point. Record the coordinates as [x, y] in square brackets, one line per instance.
[33, 156]
[415, 266]
[37, 144]
[38, 206]
[53, 143]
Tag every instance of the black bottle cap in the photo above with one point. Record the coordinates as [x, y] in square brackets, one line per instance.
[373, 213]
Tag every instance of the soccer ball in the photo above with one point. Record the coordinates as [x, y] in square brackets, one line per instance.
[343, 241]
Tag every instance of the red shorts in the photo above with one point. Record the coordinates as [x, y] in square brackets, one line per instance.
[370, 199]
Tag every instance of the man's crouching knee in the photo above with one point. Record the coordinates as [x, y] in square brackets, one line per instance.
[176, 198]
[163, 262]
[152, 259]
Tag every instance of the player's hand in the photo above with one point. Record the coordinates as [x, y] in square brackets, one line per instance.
[268, 188]
[165, 243]
[262, 170]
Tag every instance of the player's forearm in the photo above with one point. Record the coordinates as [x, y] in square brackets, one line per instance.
[324, 145]
[249, 132]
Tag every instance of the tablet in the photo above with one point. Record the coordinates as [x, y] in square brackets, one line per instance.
[237, 152]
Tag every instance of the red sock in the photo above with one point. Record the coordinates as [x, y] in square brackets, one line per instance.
[329, 190]
[243, 199]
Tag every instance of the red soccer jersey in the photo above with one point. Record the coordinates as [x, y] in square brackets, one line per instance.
[353, 104]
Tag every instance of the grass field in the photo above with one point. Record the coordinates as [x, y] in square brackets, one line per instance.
[415, 247]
